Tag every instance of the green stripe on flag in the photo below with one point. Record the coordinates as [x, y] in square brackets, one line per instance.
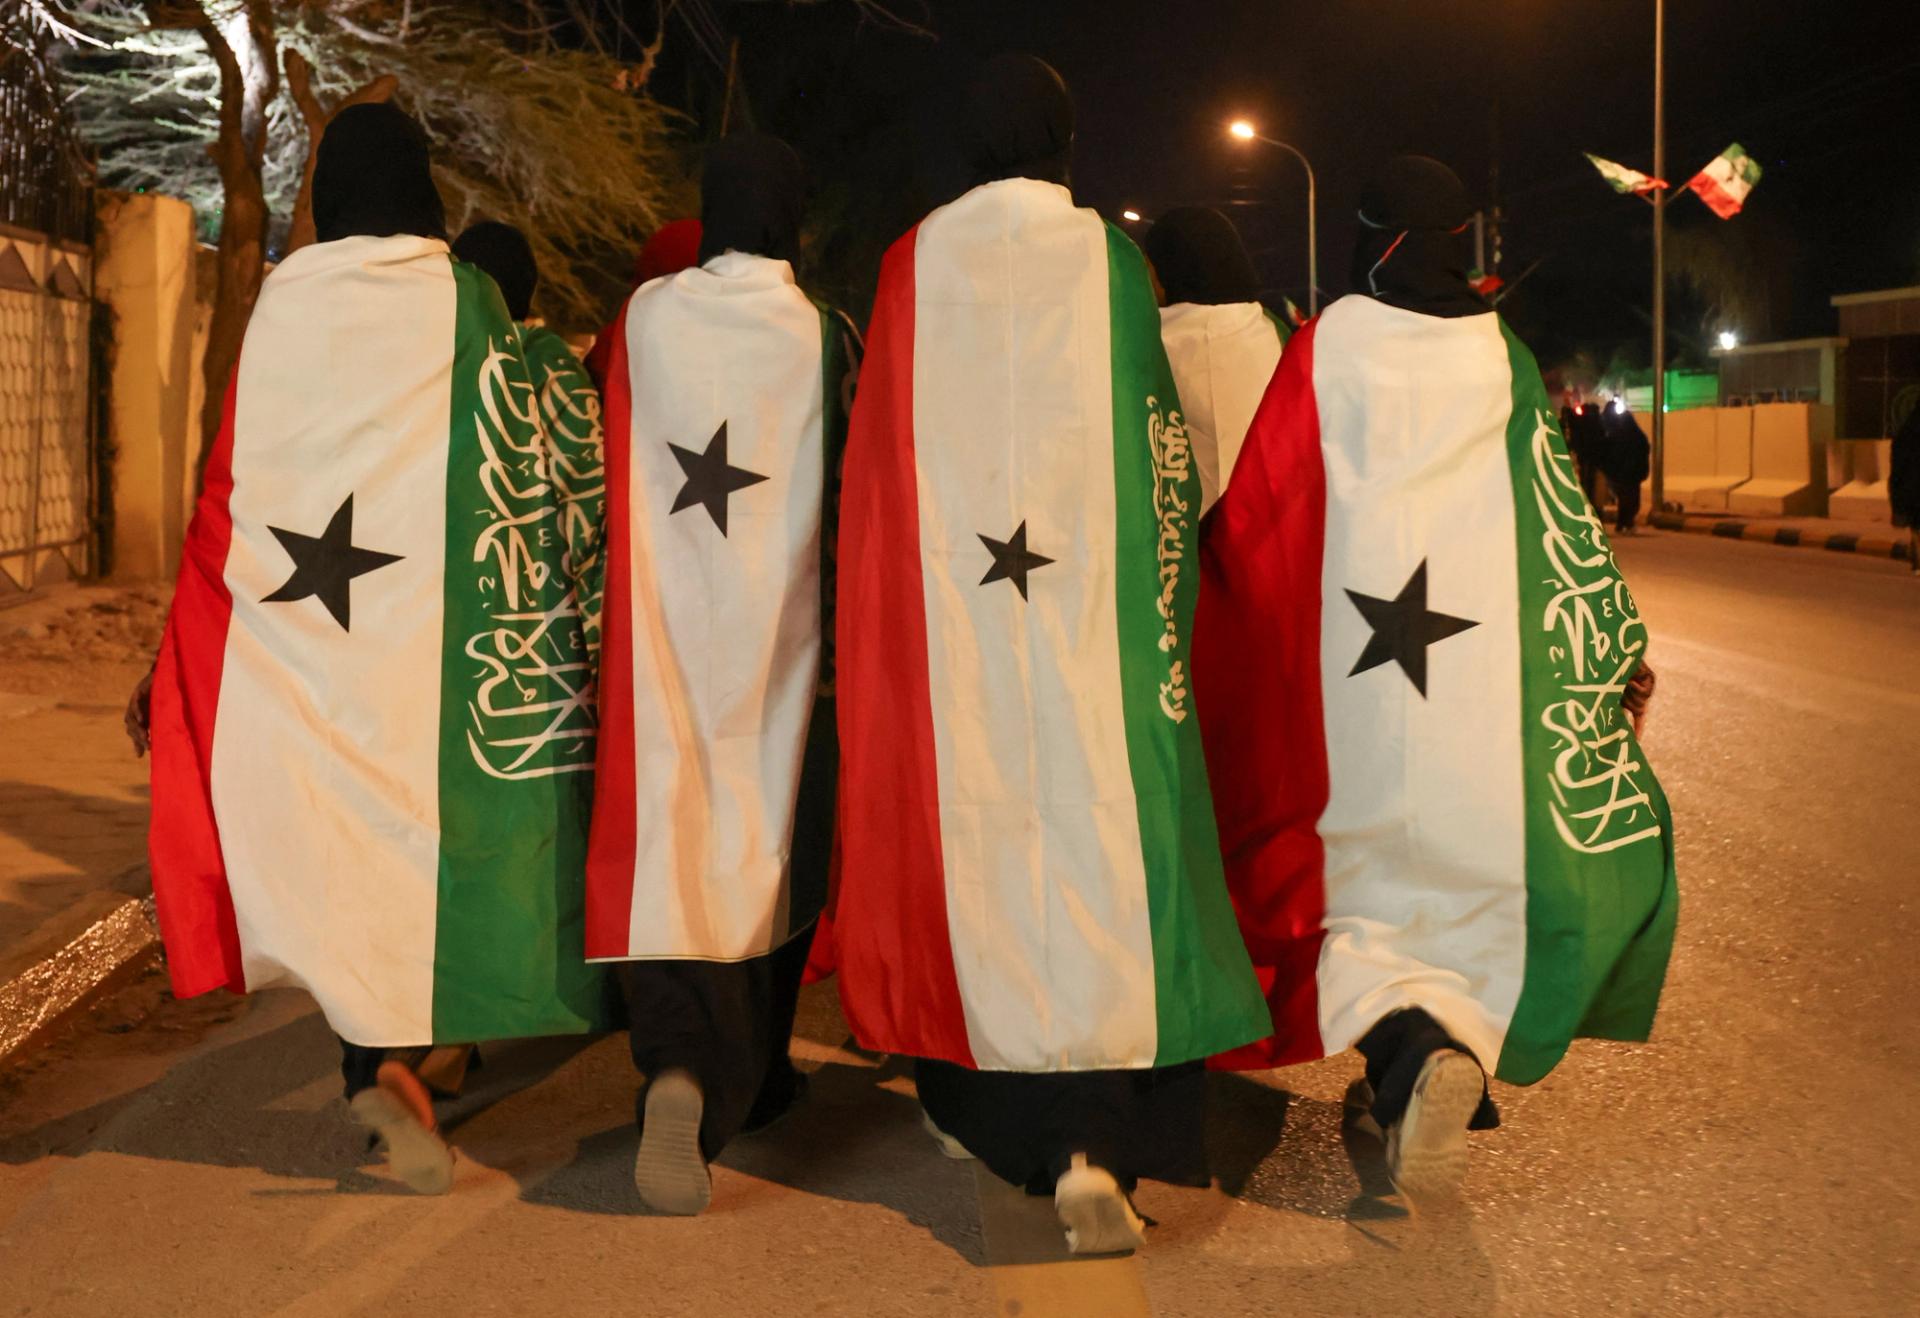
[516, 724]
[1601, 896]
[1205, 995]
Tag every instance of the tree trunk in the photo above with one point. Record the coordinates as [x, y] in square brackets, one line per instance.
[245, 53]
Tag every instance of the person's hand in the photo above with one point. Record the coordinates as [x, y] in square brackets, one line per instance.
[139, 712]
[1638, 696]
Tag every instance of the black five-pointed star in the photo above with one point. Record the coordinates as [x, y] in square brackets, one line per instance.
[710, 478]
[1403, 628]
[1012, 560]
[325, 567]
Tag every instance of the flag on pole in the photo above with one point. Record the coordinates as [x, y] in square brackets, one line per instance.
[1411, 646]
[372, 715]
[1031, 875]
[726, 411]
[1726, 181]
[1622, 179]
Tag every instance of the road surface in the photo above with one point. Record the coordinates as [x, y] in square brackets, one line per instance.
[1757, 1158]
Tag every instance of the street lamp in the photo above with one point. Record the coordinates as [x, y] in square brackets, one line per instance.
[1244, 131]
[1729, 340]
[1659, 200]
[1130, 216]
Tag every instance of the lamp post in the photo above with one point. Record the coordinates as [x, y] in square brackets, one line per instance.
[1246, 132]
[1659, 197]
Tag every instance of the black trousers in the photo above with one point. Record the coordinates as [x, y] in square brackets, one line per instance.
[728, 1023]
[1395, 1049]
[1026, 1128]
[358, 1065]
[1627, 496]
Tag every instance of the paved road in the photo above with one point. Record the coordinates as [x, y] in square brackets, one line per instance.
[1758, 1158]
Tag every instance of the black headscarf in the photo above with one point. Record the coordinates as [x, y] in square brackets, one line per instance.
[1412, 249]
[372, 177]
[503, 252]
[1017, 121]
[1199, 257]
[753, 195]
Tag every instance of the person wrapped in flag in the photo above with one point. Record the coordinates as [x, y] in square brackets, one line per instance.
[1418, 668]
[371, 716]
[1030, 900]
[565, 397]
[713, 824]
[1222, 344]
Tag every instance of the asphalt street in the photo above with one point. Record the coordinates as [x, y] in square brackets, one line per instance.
[1756, 1158]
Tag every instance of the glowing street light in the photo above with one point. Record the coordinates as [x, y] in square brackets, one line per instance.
[1244, 131]
[1729, 340]
[1130, 216]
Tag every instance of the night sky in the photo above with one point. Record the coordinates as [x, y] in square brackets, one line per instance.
[1825, 96]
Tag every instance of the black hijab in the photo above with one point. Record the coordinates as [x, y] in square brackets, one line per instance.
[753, 195]
[1412, 249]
[503, 252]
[1199, 257]
[372, 177]
[1017, 121]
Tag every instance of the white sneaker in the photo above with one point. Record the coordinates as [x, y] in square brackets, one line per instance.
[949, 1146]
[668, 1171]
[1427, 1147]
[1097, 1215]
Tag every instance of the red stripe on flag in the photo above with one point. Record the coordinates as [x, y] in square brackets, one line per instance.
[897, 982]
[1256, 679]
[611, 848]
[190, 890]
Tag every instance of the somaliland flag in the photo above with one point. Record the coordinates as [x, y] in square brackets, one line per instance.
[726, 411]
[1410, 653]
[372, 721]
[1624, 180]
[1031, 878]
[1222, 357]
[1726, 181]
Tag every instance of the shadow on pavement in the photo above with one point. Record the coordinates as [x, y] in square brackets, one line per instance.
[70, 828]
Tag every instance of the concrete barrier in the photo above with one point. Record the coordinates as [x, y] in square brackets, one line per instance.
[1789, 462]
[1693, 473]
[1864, 497]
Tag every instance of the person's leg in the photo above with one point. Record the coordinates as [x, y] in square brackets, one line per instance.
[1629, 507]
[1085, 1137]
[698, 1031]
[359, 1067]
[1428, 1092]
[783, 1084]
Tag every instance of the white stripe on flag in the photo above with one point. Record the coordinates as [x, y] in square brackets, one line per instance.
[1223, 358]
[325, 760]
[726, 629]
[1426, 851]
[1013, 422]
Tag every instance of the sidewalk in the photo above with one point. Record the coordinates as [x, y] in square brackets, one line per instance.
[1874, 539]
[73, 799]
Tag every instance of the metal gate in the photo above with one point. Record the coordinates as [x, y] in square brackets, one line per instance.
[47, 453]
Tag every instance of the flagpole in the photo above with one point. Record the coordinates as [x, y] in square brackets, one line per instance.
[1659, 255]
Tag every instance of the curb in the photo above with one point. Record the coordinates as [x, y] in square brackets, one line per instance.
[92, 947]
[1733, 528]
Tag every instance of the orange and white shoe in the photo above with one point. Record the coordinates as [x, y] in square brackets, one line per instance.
[400, 1111]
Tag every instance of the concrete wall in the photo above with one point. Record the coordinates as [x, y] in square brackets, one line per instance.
[144, 280]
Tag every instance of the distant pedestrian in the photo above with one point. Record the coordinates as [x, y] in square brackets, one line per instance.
[1624, 458]
[1222, 344]
[1903, 483]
